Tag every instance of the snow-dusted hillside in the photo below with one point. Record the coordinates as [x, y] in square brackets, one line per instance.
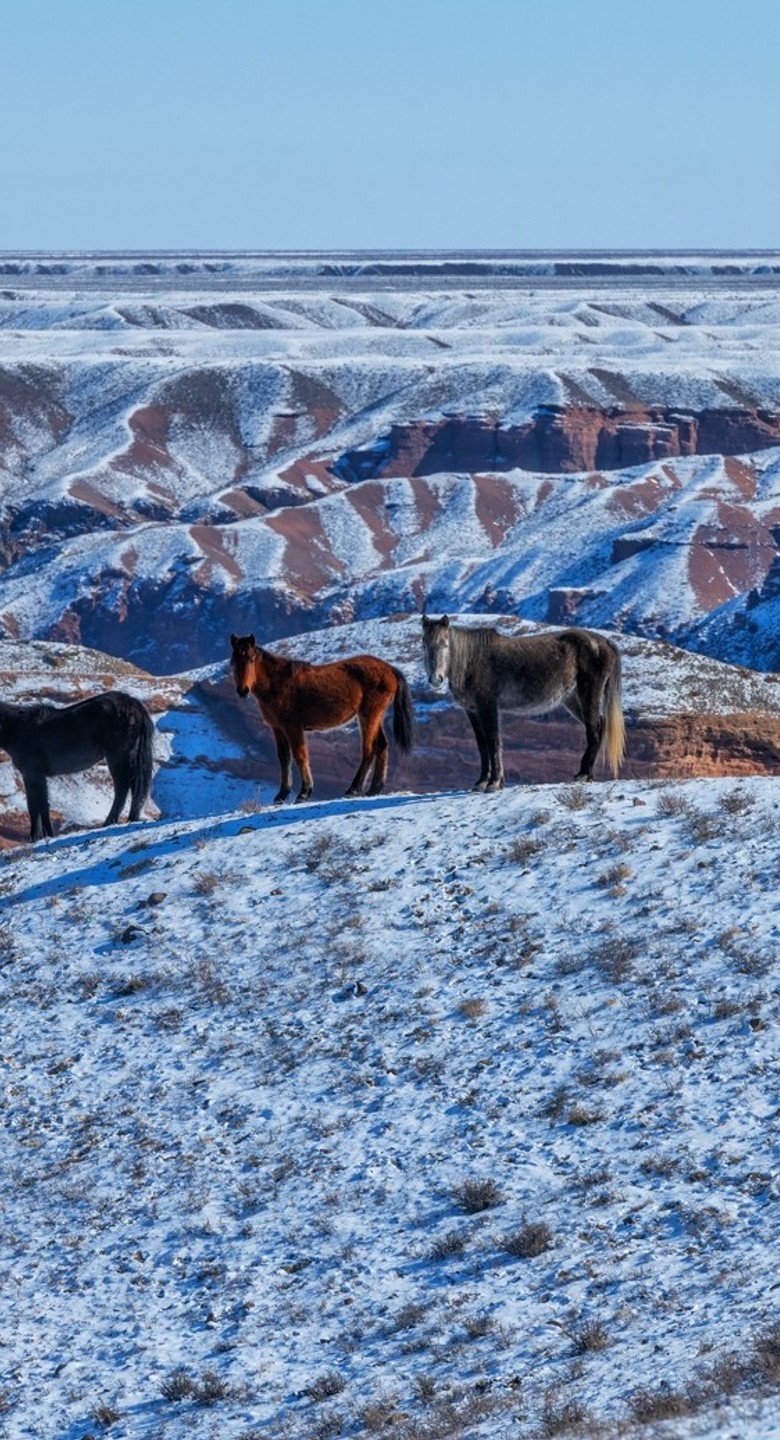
[456, 1114]
[686, 714]
[439, 1115]
[189, 439]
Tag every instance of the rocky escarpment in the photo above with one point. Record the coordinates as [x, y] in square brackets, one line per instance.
[560, 440]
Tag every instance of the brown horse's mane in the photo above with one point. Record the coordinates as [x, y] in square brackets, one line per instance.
[291, 666]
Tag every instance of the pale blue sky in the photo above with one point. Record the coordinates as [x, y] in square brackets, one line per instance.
[258, 124]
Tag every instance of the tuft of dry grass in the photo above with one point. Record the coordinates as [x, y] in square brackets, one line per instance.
[325, 1386]
[473, 1196]
[672, 804]
[574, 797]
[531, 1239]
[472, 1009]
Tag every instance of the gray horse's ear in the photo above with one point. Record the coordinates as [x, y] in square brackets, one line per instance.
[445, 620]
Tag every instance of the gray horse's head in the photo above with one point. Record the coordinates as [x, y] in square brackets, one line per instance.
[436, 649]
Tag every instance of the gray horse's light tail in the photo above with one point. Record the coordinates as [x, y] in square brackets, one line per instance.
[403, 714]
[614, 737]
[142, 763]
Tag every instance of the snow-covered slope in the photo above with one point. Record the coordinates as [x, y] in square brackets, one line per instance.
[456, 1113]
[686, 714]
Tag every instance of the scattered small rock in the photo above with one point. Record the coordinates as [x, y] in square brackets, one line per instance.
[130, 933]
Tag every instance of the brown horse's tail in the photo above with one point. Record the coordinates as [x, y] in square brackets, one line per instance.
[403, 714]
[614, 740]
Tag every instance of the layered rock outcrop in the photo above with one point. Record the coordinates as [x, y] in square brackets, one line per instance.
[561, 440]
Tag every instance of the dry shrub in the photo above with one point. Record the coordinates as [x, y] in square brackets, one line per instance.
[650, 1406]
[325, 1386]
[474, 1196]
[532, 1238]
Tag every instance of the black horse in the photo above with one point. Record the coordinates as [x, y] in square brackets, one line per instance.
[44, 740]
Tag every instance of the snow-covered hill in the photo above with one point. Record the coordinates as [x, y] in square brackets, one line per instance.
[188, 442]
[456, 1114]
[687, 715]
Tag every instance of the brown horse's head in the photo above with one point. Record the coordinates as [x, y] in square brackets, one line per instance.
[242, 662]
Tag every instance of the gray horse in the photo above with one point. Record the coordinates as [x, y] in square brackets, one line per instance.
[532, 674]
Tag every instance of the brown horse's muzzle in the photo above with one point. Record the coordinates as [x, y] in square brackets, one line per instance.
[243, 691]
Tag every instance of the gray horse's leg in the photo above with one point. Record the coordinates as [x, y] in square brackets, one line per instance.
[587, 708]
[484, 757]
[491, 729]
[37, 791]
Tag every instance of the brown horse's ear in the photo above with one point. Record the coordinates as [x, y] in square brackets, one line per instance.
[234, 641]
[251, 639]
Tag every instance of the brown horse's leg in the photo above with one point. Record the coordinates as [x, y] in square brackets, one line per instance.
[382, 753]
[285, 771]
[300, 752]
[370, 722]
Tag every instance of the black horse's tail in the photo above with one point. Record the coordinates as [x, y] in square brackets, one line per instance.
[403, 714]
[141, 763]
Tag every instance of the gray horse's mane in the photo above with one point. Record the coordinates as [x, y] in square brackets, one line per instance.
[467, 649]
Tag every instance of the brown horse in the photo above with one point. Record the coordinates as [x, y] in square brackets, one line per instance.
[295, 697]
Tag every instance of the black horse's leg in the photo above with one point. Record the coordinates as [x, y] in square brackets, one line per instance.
[37, 791]
[484, 758]
[381, 751]
[285, 774]
[119, 770]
